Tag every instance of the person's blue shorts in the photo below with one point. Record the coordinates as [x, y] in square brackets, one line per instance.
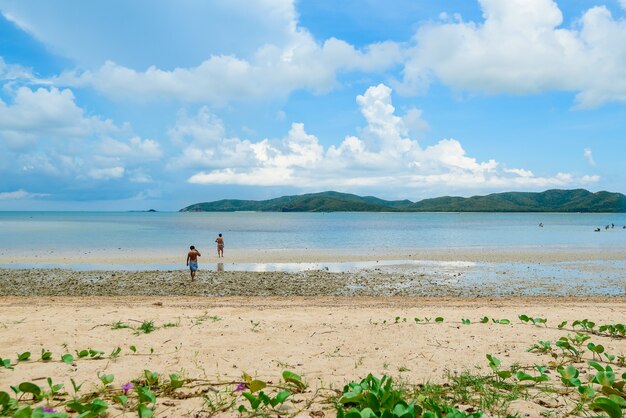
[193, 265]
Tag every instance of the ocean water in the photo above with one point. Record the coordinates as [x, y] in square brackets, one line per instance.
[47, 231]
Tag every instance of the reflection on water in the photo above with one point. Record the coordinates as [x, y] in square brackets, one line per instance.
[95, 231]
[338, 267]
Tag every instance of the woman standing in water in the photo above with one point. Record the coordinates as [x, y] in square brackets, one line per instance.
[220, 245]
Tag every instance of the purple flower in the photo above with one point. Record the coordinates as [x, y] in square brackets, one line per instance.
[126, 387]
[240, 387]
[48, 409]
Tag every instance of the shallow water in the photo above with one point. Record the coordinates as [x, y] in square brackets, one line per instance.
[87, 231]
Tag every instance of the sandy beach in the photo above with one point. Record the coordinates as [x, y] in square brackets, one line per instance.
[330, 328]
[327, 340]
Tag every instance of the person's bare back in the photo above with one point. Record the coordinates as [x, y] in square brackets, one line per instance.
[193, 255]
[192, 261]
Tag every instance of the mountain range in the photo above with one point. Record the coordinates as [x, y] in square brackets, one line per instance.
[578, 200]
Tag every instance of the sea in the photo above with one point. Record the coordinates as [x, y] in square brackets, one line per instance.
[93, 232]
[283, 231]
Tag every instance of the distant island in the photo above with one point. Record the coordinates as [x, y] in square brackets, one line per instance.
[578, 200]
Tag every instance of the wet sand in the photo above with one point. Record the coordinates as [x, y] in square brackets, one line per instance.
[140, 256]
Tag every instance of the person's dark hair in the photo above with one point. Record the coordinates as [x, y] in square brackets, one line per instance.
[192, 248]
[220, 235]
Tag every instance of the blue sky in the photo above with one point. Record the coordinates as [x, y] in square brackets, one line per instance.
[120, 105]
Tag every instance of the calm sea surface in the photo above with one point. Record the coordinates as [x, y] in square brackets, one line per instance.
[102, 230]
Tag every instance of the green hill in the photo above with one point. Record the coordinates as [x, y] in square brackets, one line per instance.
[578, 200]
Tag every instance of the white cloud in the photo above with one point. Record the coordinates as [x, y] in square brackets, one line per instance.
[623, 4]
[46, 132]
[521, 48]
[589, 156]
[106, 173]
[135, 148]
[10, 72]
[47, 112]
[273, 71]
[20, 194]
[382, 156]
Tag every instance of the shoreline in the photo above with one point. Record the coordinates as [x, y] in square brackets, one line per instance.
[467, 272]
[458, 280]
[177, 256]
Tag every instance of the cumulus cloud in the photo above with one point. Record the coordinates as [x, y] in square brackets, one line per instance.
[45, 131]
[20, 194]
[521, 48]
[383, 155]
[47, 112]
[273, 71]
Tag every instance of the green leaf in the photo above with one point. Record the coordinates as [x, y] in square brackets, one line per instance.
[23, 356]
[294, 379]
[280, 397]
[521, 376]
[82, 353]
[494, 362]
[95, 354]
[254, 401]
[144, 411]
[596, 366]
[4, 399]
[562, 324]
[608, 406]
[175, 381]
[598, 349]
[505, 322]
[151, 377]
[77, 406]
[368, 413]
[121, 399]
[23, 412]
[587, 391]
[28, 387]
[605, 378]
[67, 358]
[439, 319]
[75, 386]
[618, 400]
[145, 395]
[106, 379]
[133, 348]
[505, 374]
[256, 385]
[6, 363]
[45, 355]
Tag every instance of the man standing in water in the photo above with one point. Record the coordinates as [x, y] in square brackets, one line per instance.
[220, 245]
[192, 261]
